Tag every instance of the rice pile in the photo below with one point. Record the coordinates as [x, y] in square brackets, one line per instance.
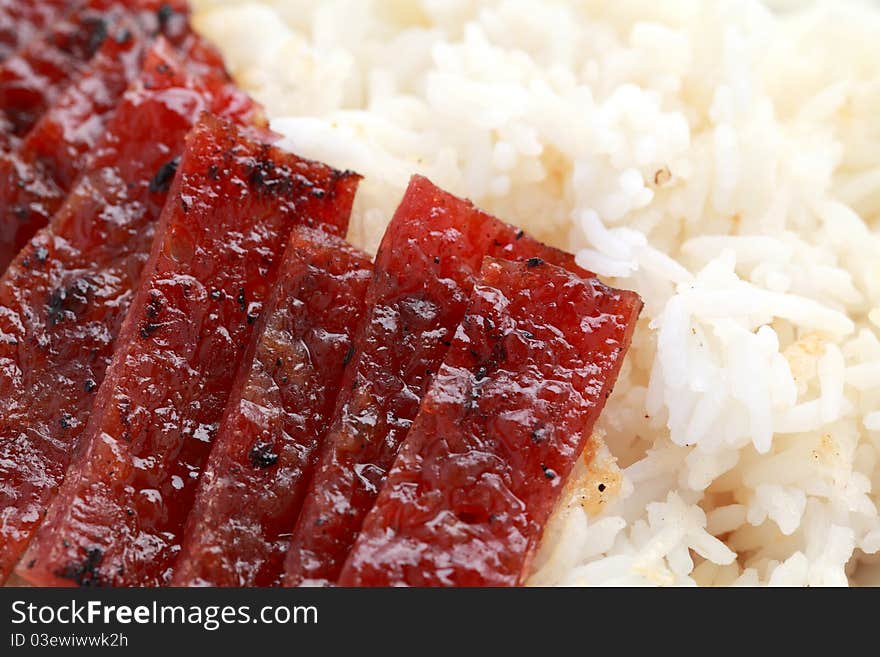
[722, 159]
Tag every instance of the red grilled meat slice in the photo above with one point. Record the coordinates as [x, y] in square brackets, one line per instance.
[37, 176]
[253, 486]
[427, 263]
[119, 516]
[498, 432]
[32, 79]
[23, 20]
[64, 296]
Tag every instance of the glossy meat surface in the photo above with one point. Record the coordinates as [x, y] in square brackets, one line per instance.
[426, 266]
[22, 20]
[119, 516]
[36, 177]
[32, 78]
[498, 432]
[253, 486]
[63, 298]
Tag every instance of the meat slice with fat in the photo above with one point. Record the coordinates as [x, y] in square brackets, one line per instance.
[118, 519]
[498, 432]
[427, 264]
[253, 486]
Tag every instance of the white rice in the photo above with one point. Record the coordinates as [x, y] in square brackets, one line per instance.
[719, 158]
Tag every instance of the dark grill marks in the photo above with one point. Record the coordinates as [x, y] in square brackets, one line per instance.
[164, 16]
[151, 312]
[94, 31]
[161, 182]
[72, 284]
[154, 306]
[486, 366]
[147, 329]
[66, 303]
[262, 459]
[425, 270]
[196, 345]
[270, 180]
[467, 455]
[84, 573]
[262, 456]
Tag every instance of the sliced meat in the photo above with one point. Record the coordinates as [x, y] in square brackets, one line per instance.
[427, 263]
[36, 177]
[499, 431]
[119, 516]
[253, 486]
[32, 79]
[64, 296]
[21, 21]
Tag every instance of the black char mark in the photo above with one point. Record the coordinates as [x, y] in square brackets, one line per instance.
[85, 572]
[154, 307]
[65, 303]
[270, 179]
[96, 32]
[161, 182]
[261, 455]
